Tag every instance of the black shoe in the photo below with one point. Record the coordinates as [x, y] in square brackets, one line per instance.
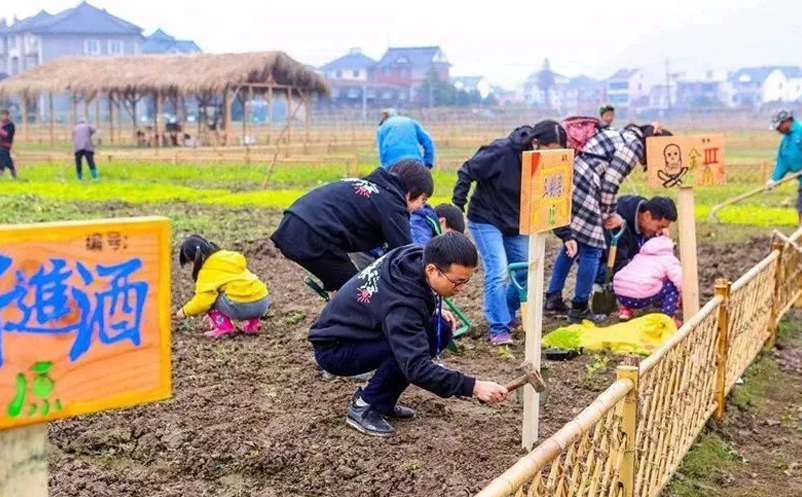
[400, 412]
[554, 303]
[581, 312]
[365, 419]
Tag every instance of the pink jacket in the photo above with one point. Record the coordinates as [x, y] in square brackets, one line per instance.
[643, 277]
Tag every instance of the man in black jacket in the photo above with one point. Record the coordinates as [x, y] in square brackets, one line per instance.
[6, 142]
[321, 228]
[388, 318]
[642, 219]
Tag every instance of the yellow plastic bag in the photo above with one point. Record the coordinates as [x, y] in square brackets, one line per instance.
[639, 336]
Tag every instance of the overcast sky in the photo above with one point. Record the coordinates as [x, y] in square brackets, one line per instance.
[503, 40]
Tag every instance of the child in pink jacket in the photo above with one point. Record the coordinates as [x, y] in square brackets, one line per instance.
[652, 277]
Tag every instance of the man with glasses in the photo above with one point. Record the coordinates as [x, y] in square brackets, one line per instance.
[389, 318]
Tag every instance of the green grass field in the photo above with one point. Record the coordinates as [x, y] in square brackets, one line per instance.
[154, 185]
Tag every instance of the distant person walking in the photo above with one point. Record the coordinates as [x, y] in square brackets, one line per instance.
[83, 147]
[401, 137]
[6, 141]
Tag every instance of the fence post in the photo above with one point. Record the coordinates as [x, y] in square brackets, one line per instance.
[775, 303]
[722, 289]
[629, 425]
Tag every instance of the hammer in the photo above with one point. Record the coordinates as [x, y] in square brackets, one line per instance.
[531, 376]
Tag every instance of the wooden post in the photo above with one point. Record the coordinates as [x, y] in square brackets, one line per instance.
[307, 118]
[775, 304]
[111, 118]
[23, 461]
[533, 327]
[51, 119]
[629, 425]
[227, 116]
[249, 115]
[25, 119]
[86, 109]
[74, 110]
[98, 120]
[687, 251]
[289, 116]
[157, 119]
[270, 115]
[722, 345]
[764, 171]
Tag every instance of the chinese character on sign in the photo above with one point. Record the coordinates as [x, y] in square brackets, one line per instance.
[82, 301]
[94, 242]
[117, 241]
[42, 386]
[553, 186]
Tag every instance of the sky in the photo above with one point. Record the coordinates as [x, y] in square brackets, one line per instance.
[505, 40]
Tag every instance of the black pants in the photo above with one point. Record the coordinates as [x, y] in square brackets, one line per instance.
[6, 162]
[353, 357]
[300, 244]
[90, 159]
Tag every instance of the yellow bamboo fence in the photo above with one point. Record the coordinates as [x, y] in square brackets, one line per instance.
[633, 437]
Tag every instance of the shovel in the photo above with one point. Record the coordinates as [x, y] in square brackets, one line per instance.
[603, 301]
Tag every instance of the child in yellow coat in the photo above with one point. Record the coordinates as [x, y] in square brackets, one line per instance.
[224, 288]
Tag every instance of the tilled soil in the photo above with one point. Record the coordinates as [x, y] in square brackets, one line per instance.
[254, 416]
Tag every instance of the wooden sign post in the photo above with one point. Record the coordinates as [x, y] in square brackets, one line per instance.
[546, 185]
[674, 161]
[84, 327]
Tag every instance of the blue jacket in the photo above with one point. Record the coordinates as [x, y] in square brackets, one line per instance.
[400, 138]
[422, 225]
[789, 155]
[422, 228]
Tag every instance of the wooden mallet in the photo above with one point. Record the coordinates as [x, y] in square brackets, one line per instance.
[530, 376]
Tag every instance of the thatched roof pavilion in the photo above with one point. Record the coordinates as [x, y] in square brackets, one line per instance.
[127, 79]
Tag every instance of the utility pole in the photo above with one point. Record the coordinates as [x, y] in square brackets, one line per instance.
[668, 87]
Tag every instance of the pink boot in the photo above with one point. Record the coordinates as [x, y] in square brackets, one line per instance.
[221, 325]
[251, 326]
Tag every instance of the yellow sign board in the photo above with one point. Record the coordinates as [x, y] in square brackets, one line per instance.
[84, 317]
[681, 160]
[546, 187]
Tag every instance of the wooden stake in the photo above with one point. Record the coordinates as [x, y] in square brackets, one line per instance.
[25, 119]
[775, 303]
[110, 100]
[533, 326]
[687, 251]
[270, 115]
[227, 111]
[52, 119]
[290, 115]
[764, 171]
[249, 104]
[157, 120]
[722, 345]
[629, 425]
[23, 461]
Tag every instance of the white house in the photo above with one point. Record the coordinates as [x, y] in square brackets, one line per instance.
[756, 86]
[630, 87]
[472, 83]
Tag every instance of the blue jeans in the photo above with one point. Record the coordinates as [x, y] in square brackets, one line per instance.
[588, 258]
[353, 357]
[498, 251]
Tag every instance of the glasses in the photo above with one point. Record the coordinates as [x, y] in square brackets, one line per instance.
[457, 284]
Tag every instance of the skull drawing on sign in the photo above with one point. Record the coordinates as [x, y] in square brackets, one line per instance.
[673, 172]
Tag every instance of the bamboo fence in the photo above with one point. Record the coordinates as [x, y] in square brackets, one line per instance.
[633, 437]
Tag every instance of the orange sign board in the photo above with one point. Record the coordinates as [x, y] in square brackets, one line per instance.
[680, 160]
[84, 317]
[546, 187]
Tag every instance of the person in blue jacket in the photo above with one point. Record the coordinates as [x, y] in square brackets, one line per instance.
[400, 137]
[789, 154]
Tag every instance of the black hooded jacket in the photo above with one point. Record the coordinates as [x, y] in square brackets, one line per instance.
[355, 215]
[391, 299]
[496, 169]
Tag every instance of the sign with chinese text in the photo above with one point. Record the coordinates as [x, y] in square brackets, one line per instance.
[546, 186]
[84, 317]
[685, 160]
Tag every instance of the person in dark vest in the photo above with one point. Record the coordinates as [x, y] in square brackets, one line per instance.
[7, 131]
[389, 318]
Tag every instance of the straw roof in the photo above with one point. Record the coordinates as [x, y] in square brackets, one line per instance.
[188, 73]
